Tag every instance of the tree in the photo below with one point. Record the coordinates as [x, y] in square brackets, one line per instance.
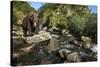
[20, 9]
[56, 15]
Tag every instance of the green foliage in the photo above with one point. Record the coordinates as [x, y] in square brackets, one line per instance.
[20, 9]
[58, 14]
[84, 25]
[77, 24]
[91, 27]
[78, 19]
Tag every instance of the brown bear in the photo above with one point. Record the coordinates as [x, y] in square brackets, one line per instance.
[30, 23]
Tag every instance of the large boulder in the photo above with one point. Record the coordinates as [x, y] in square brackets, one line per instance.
[42, 36]
[69, 56]
[87, 40]
[73, 57]
[53, 45]
[64, 51]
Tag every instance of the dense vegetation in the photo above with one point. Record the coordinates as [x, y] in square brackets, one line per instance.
[20, 10]
[78, 19]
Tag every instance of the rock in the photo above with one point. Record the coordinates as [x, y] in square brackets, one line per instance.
[43, 32]
[69, 56]
[17, 30]
[17, 33]
[88, 57]
[87, 41]
[72, 40]
[87, 45]
[62, 51]
[89, 54]
[84, 45]
[42, 36]
[15, 55]
[18, 43]
[68, 46]
[82, 54]
[45, 28]
[15, 27]
[18, 37]
[55, 36]
[53, 45]
[18, 54]
[42, 52]
[73, 57]
[66, 33]
[19, 22]
[26, 49]
[94, 48]
[55, 30]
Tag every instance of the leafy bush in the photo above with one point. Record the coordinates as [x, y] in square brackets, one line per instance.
[77, 24]
[84, 25]
[91, 27]
[56, 15]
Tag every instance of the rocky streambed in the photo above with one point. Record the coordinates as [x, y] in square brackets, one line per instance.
[48, 48]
